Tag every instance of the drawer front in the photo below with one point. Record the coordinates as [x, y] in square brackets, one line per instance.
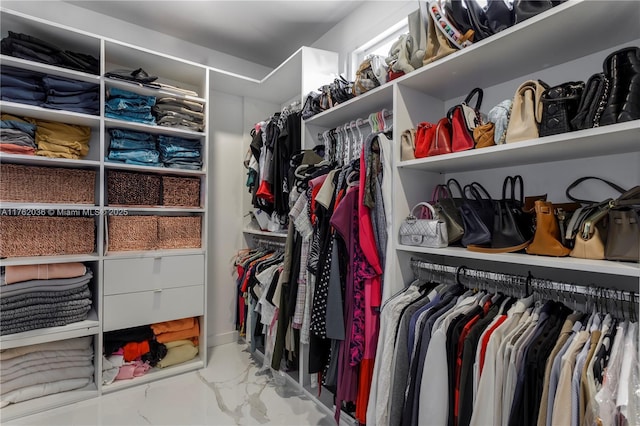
[146, 274]
[149, 307]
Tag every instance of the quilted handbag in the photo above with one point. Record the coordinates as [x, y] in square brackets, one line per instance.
[424, 232]
[464, 119]
[559, 106]
[594, 91]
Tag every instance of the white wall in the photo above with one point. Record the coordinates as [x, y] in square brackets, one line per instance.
[106, 26]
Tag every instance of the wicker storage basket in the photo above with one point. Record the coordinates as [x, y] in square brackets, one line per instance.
[47, 184]
[179, 232]
[133, 189]
[128, 233]
[180, 191]
[46, 236]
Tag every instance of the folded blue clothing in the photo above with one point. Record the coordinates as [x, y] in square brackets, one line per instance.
[122, 144]
[92, 110]
[149, 120]
[130, 134]
[138, 163]
[20, 101]
[81, 98]
[184, 166]
[176, 140]
[27, 128]
[18, 93]
[114, 92]
[166, 156]
[66, 84]
[19, 72]
[139, 155]
[23, 82]
[128, 105]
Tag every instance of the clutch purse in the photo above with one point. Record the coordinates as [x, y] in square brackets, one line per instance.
[424, 232]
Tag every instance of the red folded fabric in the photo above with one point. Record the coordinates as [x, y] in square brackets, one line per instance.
[134, 350]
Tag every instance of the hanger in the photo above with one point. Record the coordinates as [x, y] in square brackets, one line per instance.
[384, 114]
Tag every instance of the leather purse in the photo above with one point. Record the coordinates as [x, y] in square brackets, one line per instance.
[623, 238]
[477, 215]
[559, 106]
[447, 208]
[441, 139]
[525, 9]
[595, 90]
[424, 135]
[526, 112]
[408, 145]
[622, 72]
[424, 232]
[483, 135]
[464, 119]
[547, 237]
[443, 38]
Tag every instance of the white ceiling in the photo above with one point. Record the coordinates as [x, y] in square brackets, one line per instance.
[265, 32]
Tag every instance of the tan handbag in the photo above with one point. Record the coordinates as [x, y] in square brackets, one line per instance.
[526, 112]
[591, 240]
[437, 44]
[546, 240]
[483, 135]
[408, 145]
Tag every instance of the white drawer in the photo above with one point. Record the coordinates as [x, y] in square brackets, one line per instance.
[149, 307]
[135, 275]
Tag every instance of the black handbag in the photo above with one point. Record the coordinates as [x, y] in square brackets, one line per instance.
[525, 9]
[477, 215]
[513, 228]
[594, 91]
[559, 106]
[448, 209]
[622, 71]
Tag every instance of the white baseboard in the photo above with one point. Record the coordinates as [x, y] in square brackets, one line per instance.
[222, 339]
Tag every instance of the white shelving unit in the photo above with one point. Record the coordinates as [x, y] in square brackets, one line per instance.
[188, 297]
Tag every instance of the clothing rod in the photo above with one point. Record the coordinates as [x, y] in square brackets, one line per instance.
[387, 114]
[533, 283]
[263, 241]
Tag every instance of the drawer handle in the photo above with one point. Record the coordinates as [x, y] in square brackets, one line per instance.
[157, 290]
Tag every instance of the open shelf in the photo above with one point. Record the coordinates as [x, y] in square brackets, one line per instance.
[155, 374]
[253, 231]
[152, 253]
[60, 116]
[112, 123]
[48, 69]
[150, 91]
[41, 260]
[37, 160]
[160, 170]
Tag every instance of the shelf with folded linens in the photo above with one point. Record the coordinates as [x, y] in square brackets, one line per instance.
[48, 69]
[38, 260]
[150, 91]
[37, 112]
[112, 123]
[155, 374]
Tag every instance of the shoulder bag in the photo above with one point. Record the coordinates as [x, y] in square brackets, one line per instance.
[526, 111]
[424, 136]
[547, 236]
[559, 106]
[408, 145]
[441, 138]
[464, 119]
[477, 215]
[623, 238]
[595, 90]
[424, 232]
[448, 209]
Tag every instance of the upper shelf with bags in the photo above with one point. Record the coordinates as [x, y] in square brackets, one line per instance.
[566, 32]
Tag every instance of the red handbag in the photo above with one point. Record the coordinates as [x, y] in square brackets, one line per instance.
[441, 142]
[463, 120]
[424, 135]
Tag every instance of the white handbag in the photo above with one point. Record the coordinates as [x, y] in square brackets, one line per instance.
[424, 232]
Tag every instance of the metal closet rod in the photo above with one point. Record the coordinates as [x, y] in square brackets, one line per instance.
[523, 282]
[267, 243]
[362, 121]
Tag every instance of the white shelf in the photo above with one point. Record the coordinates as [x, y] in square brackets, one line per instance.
[48, 69]
[37, 160]
[359, 107]
[41, 260]
[152, 253]
[264, 233]
[567, 263]
[566, 32]
[155, 374]
[150, 91]
[61, 116]
[156, 209]
[112, 123]
[46, 206]
[84, 328]
[605, 140]
[159, 170]
[48, 402]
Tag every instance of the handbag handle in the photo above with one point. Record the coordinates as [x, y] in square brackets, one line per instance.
[456, 184]
[583, 179]
[440, 192]
[477, 188]
[513, 181]
[629, 198]
[477, 91]
[434, 215]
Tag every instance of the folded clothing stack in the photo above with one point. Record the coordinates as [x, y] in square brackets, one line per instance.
[180, 113]
[133, 147]
[181, 339]
[60, 140]
[17, 135]
[142, 78]
[31, 48]
[129, 106]
[33, 371]
[180, 153]
[58, 299]
[48, 91]
[71, 95]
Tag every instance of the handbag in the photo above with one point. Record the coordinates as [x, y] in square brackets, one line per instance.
[623, 238]
[464, 119]
[408, 145]
[622, 71]
[424, 232]
[526, 111]
[477, 215]
[512, 227]
[440, 41]
[424, 136]
[417, 38]
[547, 237]
[447, 208]
[399, 57]
[595, 90]
[371, 73]
[311, 105]
[559, 106]
[499, 115]
[525, 9]
[441, 138]
[486, 21]
[483, 135]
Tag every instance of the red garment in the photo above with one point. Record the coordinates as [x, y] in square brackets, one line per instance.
[134, 350]
[264, 191]
[485, 339]
[463, 335]
[364, 388]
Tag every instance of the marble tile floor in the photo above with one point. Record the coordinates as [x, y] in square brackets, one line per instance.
[232, 390]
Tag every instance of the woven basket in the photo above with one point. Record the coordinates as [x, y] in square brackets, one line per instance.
[47, 184]
[179, 232]
[46, 236]
[180, 191]
[128, 233]
[133, 189]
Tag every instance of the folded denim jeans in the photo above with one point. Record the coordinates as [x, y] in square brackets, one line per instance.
[122, 144]
[91, 110]
[19, 93]
[138, 163]
[20, 101]
[19, 72]
[66, 84]
[185, 166]
[178, 141]
[23, 82]
[140, 155]
[130, 134]
[148, 120]
[81, 98]
[127, 105]
[114, 92]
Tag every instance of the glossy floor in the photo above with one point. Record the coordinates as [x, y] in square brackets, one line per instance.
[232, 390]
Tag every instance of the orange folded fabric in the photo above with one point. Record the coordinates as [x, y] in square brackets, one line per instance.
[171, 326]
[11, 148]
[179, 335]
[134, 350]
[19, 273]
